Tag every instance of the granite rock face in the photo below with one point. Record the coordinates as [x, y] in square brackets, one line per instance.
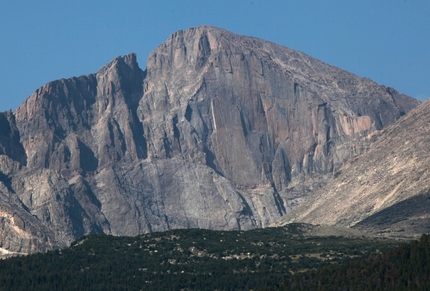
[385, 190]
[220, 131]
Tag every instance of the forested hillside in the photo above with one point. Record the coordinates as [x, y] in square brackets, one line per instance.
[406, 267]
[190, 259]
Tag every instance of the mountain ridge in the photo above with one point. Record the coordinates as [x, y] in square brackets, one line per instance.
[389, 199]
[220, 131]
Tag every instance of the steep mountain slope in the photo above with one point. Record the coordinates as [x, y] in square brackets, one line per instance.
[220, 131]
[386, 189]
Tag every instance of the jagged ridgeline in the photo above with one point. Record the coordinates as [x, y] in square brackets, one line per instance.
[220, 131]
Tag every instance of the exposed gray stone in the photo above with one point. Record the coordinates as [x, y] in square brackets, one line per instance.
[385, 190]
[220, 131]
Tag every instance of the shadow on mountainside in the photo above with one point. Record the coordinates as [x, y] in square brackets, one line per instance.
[406, 217]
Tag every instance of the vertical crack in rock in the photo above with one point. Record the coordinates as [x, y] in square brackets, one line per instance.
[279, 203]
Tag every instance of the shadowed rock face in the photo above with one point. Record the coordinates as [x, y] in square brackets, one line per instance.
[220, 131]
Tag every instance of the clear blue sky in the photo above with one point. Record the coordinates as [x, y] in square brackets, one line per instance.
[41, 41]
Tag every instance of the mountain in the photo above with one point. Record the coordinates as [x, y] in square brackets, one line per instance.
[220, 131]
[386, 190]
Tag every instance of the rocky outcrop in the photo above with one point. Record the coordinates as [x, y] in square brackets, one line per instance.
[220, 131]
[385, 190]
[10, 138]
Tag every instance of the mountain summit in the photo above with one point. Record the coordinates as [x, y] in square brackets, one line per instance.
[220, 131]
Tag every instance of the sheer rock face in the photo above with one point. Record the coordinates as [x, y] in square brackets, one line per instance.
[220, 131]
[385, 190]
[237, 103]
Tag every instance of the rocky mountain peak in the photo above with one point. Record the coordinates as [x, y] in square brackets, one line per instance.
[260, 88]
[120, 64]
[220, 131]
